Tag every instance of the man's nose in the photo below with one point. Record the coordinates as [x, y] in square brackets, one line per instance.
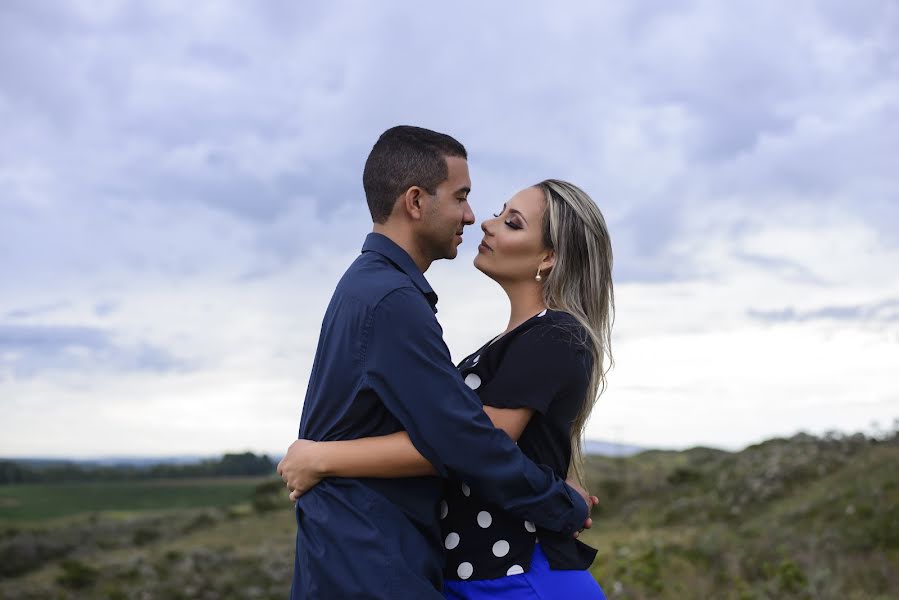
[468, 215]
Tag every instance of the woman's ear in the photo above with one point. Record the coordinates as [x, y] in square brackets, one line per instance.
[548, 261]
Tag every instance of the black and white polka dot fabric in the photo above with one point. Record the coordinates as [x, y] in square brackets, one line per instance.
[543, 364]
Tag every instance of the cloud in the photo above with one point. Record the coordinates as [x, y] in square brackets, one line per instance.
[28, 351]
[35, 311]
[180, 189]
[246, 114]
[884, 312]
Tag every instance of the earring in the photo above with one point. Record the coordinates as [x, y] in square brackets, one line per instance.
[538, 277]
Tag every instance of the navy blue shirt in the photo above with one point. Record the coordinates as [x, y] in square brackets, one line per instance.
[381, 366]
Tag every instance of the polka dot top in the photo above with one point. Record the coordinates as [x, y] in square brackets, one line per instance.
[545, 365]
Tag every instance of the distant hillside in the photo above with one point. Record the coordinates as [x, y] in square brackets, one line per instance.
[20, 471]
[601, 448]
[804, 517]
[108, 461]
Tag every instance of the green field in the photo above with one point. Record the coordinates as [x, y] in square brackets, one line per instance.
[39, 502]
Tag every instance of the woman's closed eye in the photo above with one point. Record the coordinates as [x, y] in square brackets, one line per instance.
[509, 222]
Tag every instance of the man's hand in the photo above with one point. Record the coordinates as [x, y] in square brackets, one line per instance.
[589, 500]
[298, 468]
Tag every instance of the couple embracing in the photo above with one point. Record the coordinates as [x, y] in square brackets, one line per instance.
[415, 478]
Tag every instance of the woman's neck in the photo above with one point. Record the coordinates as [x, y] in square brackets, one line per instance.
[525, 301]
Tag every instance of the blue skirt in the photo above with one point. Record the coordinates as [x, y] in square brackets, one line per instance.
[540, 583]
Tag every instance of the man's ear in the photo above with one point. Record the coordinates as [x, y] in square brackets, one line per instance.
[412, 202]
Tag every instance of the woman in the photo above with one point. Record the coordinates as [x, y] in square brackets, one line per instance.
[550, 251]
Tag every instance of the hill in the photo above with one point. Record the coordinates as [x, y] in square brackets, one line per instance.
[799, 518]
[18, 471]
[602, 448]
[803, 517]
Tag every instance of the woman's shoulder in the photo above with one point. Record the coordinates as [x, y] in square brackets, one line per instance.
[556, 327]
[562, 317]
[558, 320]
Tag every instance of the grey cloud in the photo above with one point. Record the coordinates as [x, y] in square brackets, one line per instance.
[218, 55]
[243, 196]
[42, 337]
[787, 269]
[105, 308]
[257, 199]
[36, 311]
[885, 311]
[122, 113]
[27, 350]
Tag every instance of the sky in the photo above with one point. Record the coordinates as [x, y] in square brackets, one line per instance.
[180, 190]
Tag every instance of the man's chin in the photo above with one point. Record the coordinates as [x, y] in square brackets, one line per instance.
[451, 252]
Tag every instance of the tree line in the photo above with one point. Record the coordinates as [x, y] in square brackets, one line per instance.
[229, 465]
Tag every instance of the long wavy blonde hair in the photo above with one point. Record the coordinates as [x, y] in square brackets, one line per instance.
[580, 283]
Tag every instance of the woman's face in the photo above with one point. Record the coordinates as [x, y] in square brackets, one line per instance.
[512, 249]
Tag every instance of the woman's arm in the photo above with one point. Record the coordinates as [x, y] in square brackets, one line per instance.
[388, 456]
[511, 420]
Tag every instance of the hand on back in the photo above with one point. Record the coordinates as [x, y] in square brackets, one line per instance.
[589, 500]
[297, 469]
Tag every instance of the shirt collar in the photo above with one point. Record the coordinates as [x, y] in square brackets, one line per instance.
[383, 245]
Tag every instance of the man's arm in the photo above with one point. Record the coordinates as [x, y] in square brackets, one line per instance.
[409, 367]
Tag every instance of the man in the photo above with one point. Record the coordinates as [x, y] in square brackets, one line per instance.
[381, 366]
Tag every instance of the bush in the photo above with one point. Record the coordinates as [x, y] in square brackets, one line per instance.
[269, 496]
[77, 575]
[790, 578]
[682, 475]
[201, 521]
[29, 551]
[145, 535]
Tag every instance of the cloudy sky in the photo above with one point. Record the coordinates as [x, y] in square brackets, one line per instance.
[180, 189]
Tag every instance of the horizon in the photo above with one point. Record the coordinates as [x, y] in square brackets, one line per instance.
[278, 454]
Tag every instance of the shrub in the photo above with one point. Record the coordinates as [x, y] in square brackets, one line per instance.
[683, 475]
[145, 535]
[77, 575]
[269, 496]
[201, 521]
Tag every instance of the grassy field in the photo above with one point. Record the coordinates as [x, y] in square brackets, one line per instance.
[798, 519]
[40, 502]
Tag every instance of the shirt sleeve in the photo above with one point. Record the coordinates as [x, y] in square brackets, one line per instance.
[409, 367]
[546, 362]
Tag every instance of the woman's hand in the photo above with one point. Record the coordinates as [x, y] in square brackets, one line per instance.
[591, 501]
[299, 468]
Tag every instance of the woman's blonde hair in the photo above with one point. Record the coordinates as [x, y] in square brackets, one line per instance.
[580, 283]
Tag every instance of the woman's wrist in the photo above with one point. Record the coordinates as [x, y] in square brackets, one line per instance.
[319, 455]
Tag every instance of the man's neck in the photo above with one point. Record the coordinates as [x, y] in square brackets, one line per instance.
[406, 241]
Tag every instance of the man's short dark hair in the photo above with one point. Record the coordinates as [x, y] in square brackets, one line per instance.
[402, 157]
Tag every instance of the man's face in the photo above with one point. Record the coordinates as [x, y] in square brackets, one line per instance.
[448, 211]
